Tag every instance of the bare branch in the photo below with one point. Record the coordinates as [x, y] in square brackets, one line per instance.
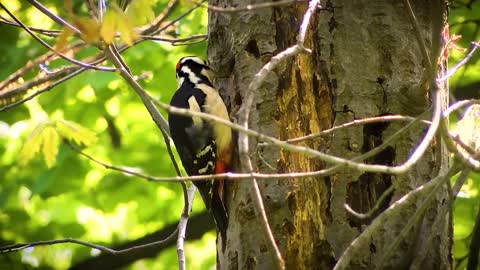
[52, 16]
[240, 176]
[182, 225]
[460, 181]
[172, 22]
[191, 40]
[315, 153]
[156, 116]
[157, 21]
[459, 105]
[435, 185]
[45, 89]
[32, 64]
[46, 45]
[251, 7]
[425, 192]
[244, 113]
[356, 122]
[18, 247]
[471, 51]
[418, 35]
[49, 33]
[374, 209]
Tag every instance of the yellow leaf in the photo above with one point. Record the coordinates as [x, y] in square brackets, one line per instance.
[50, 145]
[68, 4]
[125, 27]
[75, 132]
[31, 145]
[62, 40]
[109, 26]
[89, 28]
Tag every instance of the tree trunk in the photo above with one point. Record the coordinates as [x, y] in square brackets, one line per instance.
[365, 61]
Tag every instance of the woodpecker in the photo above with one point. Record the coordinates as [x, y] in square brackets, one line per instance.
[205, 147]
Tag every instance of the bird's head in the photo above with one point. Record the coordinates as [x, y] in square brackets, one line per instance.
[194, 70]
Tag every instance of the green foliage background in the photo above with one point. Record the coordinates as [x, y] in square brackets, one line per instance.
[75, 197]
[79, 199]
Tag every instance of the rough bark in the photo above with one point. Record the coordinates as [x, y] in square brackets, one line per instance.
[365, 62]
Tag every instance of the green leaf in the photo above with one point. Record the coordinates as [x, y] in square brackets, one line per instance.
[140, 11]
[31, 145]
[50, 145]
[125, 27]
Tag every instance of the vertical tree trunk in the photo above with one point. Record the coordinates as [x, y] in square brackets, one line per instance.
[365, 62]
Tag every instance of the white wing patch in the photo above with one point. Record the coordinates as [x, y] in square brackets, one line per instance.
[204, 151]
[193, 106]
[204, 170]
[222, 133]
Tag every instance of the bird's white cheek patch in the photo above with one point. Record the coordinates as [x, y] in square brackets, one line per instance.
[191, 76]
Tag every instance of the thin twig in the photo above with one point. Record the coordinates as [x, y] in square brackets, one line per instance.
[116, 59]
[52, 16]
[471, 51]
[34, 63]
[49, 33]
[244, 113]
[418, 36]
[174, 41]
[459, 182]
[147, 31]
[18, 247]
[425, 192]
[420, 150]
[182, 225]
[467, 159]
[162, 124]
[154, 113]
[356, 122]
[374, 209]
[45, 89]
[438, 226]
[251, 7]
[459, 105]
[172, 22]
[437, 182]
[157, 21]
[46, 45]
[241, 176]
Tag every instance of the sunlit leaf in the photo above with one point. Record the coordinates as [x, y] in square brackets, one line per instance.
[31, 145]
[62, 40]
[108, 28]
[50, 145]
[68, 6]
[125, 27]
[140, 12]
[89, 28]
[75, 132]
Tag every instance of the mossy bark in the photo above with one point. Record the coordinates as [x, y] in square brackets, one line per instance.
[365, 62]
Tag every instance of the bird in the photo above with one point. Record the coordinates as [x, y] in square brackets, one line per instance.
[204, 146]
